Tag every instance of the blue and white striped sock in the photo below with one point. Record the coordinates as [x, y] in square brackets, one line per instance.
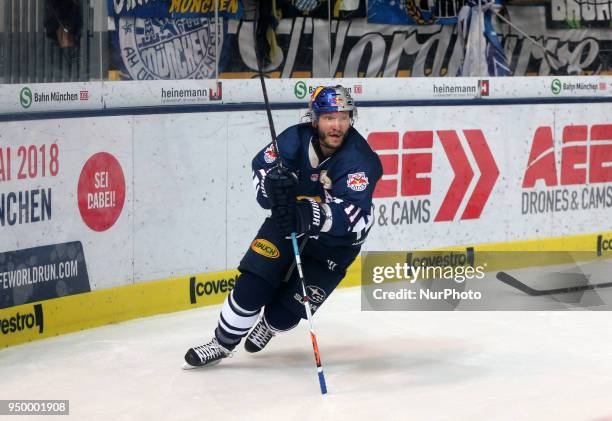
[234, 322]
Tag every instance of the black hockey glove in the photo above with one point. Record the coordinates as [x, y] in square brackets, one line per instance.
[309, 216]
[280, 185]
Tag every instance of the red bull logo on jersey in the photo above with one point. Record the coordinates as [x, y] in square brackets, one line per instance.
[270, 154]
[357, 181]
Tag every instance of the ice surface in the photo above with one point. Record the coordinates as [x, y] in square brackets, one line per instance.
[378, 365]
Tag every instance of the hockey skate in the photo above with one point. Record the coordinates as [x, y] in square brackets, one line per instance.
[205, 355]
[259, 337]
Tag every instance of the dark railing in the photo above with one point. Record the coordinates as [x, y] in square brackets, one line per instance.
[27, 55]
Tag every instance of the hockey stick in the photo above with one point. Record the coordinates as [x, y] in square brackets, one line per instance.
[313, 336]
[268, 111]
[515, 283]
[294, 242]
[263, 86]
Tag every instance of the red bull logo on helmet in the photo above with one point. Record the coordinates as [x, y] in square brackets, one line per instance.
[357, 181]
[337, 101]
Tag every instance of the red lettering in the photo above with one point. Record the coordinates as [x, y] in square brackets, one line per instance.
[386, 141]
[600, 170]
[541, 164]
[574, 155]
[414, 164]
[574, 163]
[488, 174]
[463, 175]
[418, 164]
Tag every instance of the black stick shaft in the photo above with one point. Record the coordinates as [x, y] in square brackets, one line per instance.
[515, 283]
[268, 108]
[263, 82]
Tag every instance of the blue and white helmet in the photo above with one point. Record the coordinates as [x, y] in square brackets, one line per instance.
[329, 99]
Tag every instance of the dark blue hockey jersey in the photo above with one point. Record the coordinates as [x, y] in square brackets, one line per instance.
[345, 181]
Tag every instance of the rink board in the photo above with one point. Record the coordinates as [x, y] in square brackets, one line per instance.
[112, 305]
[135, 187]
[30, 99]
[146, 197]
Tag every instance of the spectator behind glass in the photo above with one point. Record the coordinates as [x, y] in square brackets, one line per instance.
[64, 24]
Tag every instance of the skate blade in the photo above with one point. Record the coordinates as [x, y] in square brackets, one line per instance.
[187, 366]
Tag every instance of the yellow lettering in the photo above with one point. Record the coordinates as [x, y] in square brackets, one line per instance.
[265, 248]
[176, 6]
[196, 6]
[208, 6]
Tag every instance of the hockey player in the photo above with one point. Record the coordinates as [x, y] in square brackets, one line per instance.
[323, 192]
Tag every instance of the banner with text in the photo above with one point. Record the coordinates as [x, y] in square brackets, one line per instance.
[361, 49]
[231, 9]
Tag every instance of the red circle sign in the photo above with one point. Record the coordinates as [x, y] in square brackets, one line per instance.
[101, 191]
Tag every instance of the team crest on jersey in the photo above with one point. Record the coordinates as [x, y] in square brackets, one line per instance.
[270, 154]
[314, 177]
[357, 181]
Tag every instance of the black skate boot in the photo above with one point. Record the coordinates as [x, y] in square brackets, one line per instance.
[259, 337]
[205, 355]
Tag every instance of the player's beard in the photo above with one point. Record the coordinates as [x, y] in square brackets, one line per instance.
[332, 142]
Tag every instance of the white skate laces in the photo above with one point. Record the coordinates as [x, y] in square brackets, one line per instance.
[211, 350]
[259, 337]
[208, 354]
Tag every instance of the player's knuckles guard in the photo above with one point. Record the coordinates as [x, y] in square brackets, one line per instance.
[309, 217]
[284, 218]
[280, 185]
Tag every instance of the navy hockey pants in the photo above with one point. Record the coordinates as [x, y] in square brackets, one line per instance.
[270, 258]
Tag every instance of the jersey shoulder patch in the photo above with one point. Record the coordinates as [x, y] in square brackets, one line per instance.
[270, 154]
[357, 181]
